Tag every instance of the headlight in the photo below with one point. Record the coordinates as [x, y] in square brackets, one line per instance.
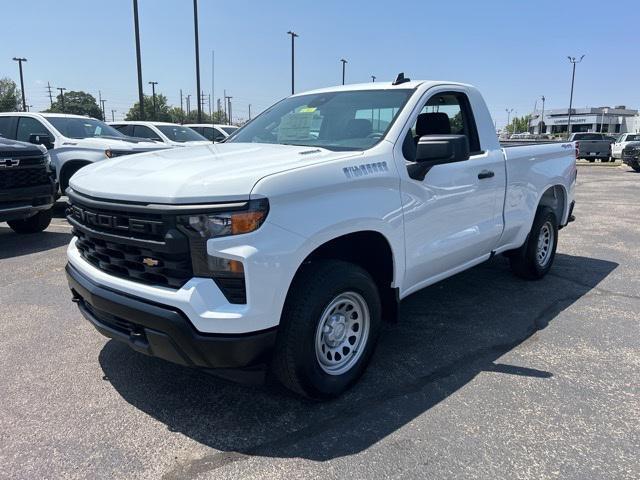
[223, 224]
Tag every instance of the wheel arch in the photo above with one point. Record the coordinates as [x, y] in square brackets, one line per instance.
[369, 249]
[67, 170]
[555, 197]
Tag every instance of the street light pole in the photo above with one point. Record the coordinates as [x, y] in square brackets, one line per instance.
[344, 62]
[138, 58]
[508, 117]
[373, 78]
[195, 28]
[293, 36]
[62, 89]
[20, 60]
[153, 93]
[573, 61]
[542, 118]
[113, 115]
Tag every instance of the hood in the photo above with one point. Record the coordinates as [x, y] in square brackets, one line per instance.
[103, 143]
[192, 143]
[208, 173]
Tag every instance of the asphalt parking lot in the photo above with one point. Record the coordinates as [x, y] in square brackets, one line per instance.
[485, 376]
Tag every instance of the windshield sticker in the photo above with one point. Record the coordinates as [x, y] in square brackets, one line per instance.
[308, 110]
[366, 169]
[295, 127]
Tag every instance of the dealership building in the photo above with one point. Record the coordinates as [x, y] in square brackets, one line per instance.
[611, 120]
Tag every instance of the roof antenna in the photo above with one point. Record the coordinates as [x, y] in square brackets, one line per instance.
[400, 79]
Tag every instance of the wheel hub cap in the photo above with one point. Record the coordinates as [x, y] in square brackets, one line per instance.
[342, 333]
[545, 244]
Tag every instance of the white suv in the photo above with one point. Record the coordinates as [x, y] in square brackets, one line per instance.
[171, 134]
[73, 141]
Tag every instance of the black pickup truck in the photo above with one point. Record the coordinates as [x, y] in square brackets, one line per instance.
[27, 186]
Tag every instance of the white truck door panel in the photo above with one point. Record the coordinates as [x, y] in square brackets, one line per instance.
[452, 217]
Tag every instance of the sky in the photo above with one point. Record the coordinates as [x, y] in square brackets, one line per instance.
[513, 51]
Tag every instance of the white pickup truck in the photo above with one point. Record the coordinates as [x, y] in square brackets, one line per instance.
[286, 247]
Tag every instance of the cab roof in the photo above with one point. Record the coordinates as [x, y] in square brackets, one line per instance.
[411, 84]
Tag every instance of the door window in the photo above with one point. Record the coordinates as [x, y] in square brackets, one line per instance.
[5, 127]
[28, 126]
[124, 129]
[218, 136]
[443, 114]
[141, 131]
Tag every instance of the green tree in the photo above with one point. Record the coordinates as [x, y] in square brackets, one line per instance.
[10, 98]
[77, 103]
[519, 124]
[161, 113]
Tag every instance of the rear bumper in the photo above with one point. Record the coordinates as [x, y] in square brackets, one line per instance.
[165, 332]
[19, 203]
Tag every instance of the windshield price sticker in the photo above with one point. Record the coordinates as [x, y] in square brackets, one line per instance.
[296, 126]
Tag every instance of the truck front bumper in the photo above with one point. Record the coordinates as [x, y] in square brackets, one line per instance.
[165, 332]
[19, 203]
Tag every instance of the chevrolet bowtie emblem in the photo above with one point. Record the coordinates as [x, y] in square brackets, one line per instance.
[150, 262]
[9, 162]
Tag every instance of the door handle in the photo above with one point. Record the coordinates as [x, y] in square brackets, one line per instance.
[485, 174]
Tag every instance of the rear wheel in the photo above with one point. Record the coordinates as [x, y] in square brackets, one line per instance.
[37, 223]
[534, 259]
[328, 331]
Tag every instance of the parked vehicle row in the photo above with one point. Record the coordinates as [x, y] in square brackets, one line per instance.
[286, 247]
[170, 134]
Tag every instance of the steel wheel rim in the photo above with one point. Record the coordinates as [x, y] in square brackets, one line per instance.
[545, 244]
[342, 333]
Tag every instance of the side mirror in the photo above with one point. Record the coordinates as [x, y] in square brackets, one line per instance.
[437, 149]
[41, 139]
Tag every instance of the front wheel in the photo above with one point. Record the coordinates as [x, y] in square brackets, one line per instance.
[329, 328]
[636, 166]
[37, 223]
[534, 259]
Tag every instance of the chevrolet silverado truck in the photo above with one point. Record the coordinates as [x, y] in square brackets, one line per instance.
[27, 186]
[284, 248]
[73, 141]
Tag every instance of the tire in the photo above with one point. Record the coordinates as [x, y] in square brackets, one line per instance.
[308, 359]
[636, 166]
[532, 261]
[591, 160]
[39, 222]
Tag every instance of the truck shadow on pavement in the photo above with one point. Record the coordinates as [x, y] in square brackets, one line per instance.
[447, 335]
[15, 245]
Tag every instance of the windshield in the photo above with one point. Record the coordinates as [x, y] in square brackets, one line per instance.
[83, 127]
[178, 133]
[352, 120]
[229, 130]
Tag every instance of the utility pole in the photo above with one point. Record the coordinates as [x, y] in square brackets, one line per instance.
[195, 28]
[62, 89]
[181, 107]
[113, 115]
[230, 119]
[541, 125]
[344, 62]
[153, 92]
[373, 78]
[104, 114]
[20, 60]
[50, 96]
[249, 112]
[138, 59]
[509, 111]
[226, 115]
[213, 92]
[101, 105]
[188, 104]
[293, 60]
[573, 61]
